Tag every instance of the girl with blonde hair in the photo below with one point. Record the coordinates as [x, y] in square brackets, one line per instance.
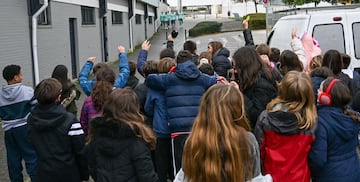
[220, 146]
[285, 130]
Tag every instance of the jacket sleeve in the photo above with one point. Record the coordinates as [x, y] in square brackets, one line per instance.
[255, 154]
[78, 147]
[149, 104]
[298, 49]
[259, 134]
[318, 152]
[124, 71]
[141, 61]
[84, 81]
[91, 158]
[249, 41]
[143, 163]
[84, 117]
[157, 81]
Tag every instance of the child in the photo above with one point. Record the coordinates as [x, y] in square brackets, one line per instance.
[120, 82]
[132, 81]
[219, 56]
[220, 146]
[333, 155]
[95, 102]
[285, 130]
[15, 105]
[155, 106]
[119, 141]
[57, 137]
[69, 91]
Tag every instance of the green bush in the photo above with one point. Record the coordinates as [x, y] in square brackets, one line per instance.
[257, 21]
[206, 27]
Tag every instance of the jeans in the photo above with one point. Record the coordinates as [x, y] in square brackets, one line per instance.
[18, 147]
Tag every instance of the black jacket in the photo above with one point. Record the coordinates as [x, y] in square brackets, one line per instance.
[220, 61]
[115, 154]
[59, 142]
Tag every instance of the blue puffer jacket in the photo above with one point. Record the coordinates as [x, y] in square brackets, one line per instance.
[333, 155]
[155, 106]
[183, 91]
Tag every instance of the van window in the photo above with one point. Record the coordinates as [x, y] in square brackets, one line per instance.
[330, 36]
[356, 32]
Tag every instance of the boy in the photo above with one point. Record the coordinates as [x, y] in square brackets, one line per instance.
[15, 106]
[57, 137]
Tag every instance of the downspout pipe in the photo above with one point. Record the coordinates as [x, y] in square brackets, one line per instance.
[34, 41]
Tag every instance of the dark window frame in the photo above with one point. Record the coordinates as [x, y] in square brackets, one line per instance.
[87, 15]
[44, 17]
[138, 19]
[150, 19]
[117, 17]
[355, 37]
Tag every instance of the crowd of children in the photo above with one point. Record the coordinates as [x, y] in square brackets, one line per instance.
[263, 115]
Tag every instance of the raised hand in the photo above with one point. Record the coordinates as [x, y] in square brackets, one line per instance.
[145, 45]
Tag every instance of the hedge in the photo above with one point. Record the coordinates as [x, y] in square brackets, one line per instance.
[257, 21]
[206, 27]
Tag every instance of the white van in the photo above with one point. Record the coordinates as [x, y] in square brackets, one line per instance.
[334, 29]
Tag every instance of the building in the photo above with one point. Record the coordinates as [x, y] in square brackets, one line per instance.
[69, 31]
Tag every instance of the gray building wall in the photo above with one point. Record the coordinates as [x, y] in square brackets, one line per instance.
[118, 35]
[54, 39]
[15, 38]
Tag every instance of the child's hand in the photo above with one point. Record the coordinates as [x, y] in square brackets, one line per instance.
[145, 45]
[121, 49]
[92, 59]
[293, 32]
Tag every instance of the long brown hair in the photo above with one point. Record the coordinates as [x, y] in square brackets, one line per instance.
[296, 94]
[216, 45]
[105, 79]
[123, 106]
[248, 66]
[218, 145]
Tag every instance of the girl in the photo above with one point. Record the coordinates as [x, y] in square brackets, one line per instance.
[105, 79]
[255, 80]
[333, 155]
[220, 60]
[119, 142]
[285, 130]
[220, 146]
[69, 91]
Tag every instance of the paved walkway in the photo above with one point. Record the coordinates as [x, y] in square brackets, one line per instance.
[231, 40]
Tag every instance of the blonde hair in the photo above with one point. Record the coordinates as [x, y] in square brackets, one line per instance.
[297, 96]
[315, 62]
[218, 146]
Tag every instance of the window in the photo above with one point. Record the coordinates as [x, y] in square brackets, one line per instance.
[117, 17]
[356, 32]
[87, 15]
[150, 20]
[44, 17]
[330, 36]
[138, 19]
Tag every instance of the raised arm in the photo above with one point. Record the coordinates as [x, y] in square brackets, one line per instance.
[124, 70]
[298, 48]
[86, 84]
[145, 46]
[249, 41]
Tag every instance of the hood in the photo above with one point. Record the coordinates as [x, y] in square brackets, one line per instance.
[222, 52]
[283, 122]
[342, 124]
[45, 117]
[187, 71]
[11, 92]
[113, 137]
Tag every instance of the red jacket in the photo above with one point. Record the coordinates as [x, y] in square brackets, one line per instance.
[284, 148]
